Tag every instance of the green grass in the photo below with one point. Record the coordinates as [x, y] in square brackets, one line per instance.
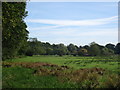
[74, 62]
[21, 77]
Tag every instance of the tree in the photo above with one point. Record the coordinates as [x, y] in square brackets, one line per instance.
[86, 47]
[117, 48]
[14, 33]
[49, 51]
[35, 47]
[107, 51]
[82, 52]
[23, 49]
[110, 46]
[72, 49]
[61, 49]
[95, 49]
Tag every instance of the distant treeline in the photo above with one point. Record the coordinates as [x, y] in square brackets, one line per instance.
[35, 47]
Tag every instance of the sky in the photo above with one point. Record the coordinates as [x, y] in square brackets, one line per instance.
[79, 23]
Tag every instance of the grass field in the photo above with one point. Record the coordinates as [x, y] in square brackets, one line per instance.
[61, 72]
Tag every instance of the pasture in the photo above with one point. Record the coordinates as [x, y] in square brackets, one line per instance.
[61, 72]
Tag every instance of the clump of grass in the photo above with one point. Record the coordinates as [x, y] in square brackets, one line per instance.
[112, 81]
[91, 81]
[84, 77]
[109, 80]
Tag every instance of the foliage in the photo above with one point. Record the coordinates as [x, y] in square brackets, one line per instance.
[94, 49]
[117, 48]
[110, 46]
[82, 52]
[61, 49]
[107, 51]
[35, 47]
[72, 48]
[14, 33]
[40, 48]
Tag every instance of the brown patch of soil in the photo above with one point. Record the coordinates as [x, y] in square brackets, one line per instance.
[33, 65]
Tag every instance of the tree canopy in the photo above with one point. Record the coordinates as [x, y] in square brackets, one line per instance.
[14, 33]
[36, 47]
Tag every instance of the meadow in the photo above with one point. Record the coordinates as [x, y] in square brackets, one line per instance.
[61, 72]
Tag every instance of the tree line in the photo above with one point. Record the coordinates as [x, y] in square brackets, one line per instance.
[35, 47]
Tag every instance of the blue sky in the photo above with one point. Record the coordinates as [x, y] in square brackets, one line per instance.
[79, 23]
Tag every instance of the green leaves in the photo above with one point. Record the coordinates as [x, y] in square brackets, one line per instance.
[14, 28]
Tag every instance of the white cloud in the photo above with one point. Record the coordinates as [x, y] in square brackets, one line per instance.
[91, 22]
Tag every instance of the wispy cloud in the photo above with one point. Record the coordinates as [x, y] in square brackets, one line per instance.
[69, 32]
[90, 22]
[75, 36]
[42, 28]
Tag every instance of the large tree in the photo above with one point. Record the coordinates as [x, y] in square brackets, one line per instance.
[14, 33]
